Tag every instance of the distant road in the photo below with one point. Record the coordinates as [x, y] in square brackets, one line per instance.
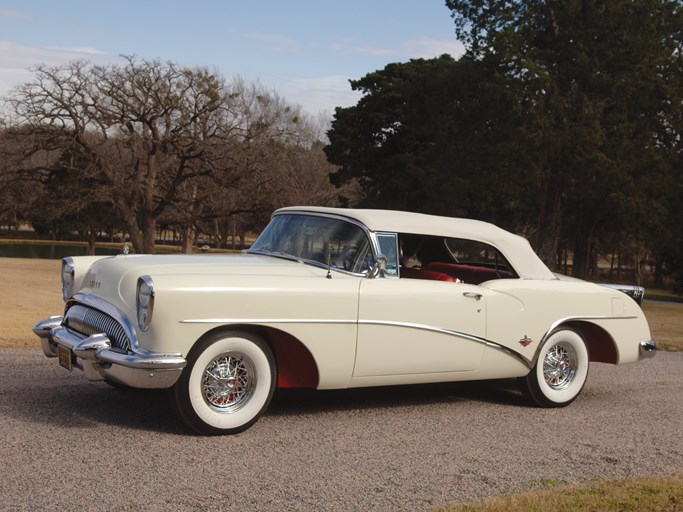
[70, 444]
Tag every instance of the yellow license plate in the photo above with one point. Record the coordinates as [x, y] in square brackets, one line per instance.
[65, 358]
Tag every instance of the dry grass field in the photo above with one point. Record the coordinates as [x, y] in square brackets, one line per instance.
[32, 292]
[666, 323]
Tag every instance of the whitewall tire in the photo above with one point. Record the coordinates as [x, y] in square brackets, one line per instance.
[560, 371]
[227, 384]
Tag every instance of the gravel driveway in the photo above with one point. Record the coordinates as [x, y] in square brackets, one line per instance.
[70, 443]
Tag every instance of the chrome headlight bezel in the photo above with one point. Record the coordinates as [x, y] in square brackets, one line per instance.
[68, 277]
[144, 301]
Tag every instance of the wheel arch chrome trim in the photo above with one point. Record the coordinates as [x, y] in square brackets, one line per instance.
[558, 323]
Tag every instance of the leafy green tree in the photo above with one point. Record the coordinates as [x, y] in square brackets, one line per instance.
[599, 80]
[433, 136]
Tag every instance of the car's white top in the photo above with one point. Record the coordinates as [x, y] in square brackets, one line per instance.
[514, 247]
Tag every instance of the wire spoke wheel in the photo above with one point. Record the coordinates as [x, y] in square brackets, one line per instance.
[229, 381]
[559, 366]
[560, 371]
[227, 384]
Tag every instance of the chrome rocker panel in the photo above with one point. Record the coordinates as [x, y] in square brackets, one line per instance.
[99, 361]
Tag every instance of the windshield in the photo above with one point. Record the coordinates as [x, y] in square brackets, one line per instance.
[322, 240]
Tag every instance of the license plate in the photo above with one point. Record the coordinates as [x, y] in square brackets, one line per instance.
[64, 356]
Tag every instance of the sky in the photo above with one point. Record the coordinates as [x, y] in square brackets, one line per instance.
[305, 50]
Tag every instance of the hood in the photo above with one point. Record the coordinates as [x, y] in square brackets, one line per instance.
[115, 278]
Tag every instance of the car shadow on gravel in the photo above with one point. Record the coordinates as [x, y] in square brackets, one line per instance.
[88, 405]
[305, 401]
[85, 405]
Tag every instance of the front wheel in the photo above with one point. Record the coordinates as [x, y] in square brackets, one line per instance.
[227, 384]
[560, 370]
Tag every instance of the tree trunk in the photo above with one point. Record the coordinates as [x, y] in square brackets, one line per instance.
[149, 229]
[141, 236]
[549, 224]
[583, 248]
[188, 239]
[92, 242]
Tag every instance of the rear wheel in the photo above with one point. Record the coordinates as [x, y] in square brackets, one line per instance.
[227, 384]
[560, 371]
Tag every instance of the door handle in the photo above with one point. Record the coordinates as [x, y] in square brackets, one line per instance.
[472, 295]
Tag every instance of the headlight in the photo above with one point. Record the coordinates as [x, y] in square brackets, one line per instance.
[68, 271]
[145, 301]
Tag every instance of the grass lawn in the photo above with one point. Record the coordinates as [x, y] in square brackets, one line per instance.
[656, 494]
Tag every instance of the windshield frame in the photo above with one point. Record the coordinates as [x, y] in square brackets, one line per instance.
[369, 235]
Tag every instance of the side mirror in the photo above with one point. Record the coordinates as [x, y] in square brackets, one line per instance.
[379, 267]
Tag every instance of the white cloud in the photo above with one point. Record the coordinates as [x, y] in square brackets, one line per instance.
[364, 49]
[16, 59]
[369, 50]
[320, 94]
[426, 47]
[423, 47]
[77, 50]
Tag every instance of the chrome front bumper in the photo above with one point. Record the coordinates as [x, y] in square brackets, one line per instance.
[100, 361]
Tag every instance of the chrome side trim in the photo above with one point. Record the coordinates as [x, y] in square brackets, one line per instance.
[449, 332]
[422, 327]
[264, 321]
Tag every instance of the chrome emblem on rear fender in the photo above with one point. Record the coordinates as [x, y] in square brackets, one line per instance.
[526, 341]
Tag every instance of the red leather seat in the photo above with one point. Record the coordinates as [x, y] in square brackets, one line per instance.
[414, 273]
[467, 273]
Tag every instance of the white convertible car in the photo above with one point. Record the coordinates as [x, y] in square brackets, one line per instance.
[338, 298]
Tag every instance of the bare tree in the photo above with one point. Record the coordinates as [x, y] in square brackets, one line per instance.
[159, 143]
[144, 130]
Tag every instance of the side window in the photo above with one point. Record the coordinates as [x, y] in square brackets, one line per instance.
[388, 246]
[480, 255]
[451, 259]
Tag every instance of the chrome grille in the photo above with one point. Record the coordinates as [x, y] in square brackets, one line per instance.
[90, 321]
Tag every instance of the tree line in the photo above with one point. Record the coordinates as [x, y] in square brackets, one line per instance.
[562, 121]
[147, 145]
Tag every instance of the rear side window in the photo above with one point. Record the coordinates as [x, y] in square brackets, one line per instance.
[443, 259]
[479, 254]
